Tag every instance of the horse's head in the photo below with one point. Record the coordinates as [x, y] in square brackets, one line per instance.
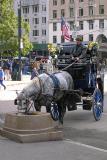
[21, 101]
[29, 93]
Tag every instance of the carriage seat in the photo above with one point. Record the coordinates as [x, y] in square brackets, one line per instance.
[82, 73]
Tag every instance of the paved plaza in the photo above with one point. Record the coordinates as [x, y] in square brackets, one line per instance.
[84, 138]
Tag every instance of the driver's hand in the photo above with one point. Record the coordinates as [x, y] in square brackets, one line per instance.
[77, 58]
[72, 58]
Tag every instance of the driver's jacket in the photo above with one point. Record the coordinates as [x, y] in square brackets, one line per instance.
[79, 51]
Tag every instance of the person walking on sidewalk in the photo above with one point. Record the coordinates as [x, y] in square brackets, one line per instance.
[34, 73]
[2, 78]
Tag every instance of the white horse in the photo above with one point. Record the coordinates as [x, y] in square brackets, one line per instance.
[45, 89]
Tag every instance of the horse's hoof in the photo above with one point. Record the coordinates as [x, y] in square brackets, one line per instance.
[59, 126]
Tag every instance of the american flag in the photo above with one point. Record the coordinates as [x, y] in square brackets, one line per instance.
[65, 29]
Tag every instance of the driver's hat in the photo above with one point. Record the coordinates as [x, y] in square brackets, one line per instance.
[79, 38]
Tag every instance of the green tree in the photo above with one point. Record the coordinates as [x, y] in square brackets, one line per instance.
[9, 30]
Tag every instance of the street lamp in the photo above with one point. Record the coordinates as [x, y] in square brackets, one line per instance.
[19, 40]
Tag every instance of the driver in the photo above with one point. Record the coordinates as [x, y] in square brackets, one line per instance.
[79, 50]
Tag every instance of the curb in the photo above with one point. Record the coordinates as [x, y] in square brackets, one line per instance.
[15, 84]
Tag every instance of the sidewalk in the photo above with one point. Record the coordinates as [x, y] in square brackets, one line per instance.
[25, 79]
[12, 87]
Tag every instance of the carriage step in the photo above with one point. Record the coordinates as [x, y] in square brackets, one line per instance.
[87, 98]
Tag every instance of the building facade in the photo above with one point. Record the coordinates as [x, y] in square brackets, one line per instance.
[84, 17]
[35, 12]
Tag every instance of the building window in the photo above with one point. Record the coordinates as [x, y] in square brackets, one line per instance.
[43, 32]
[71, 24]
[81, 0]
[54, 13]
[43, 7]
[62, 12]
[91, 24]
[81, 27]
[101, 23]
[26, 20]
[54, 39]
[54, 26]
[101, 9]
[54, 2]
[91, 2]
[44, 20]
[91, 10]
[25, 10]
[80, 11]
[62, 2]
[35, 32]
[44, 42]
[35, 8]
[71, 12]
[71, 1]
[90, 37]
[35, 20]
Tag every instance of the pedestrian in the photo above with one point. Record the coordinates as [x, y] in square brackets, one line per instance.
[6, 68]
[2, 78]
[41, 67]
[15, 70]
[34, 73]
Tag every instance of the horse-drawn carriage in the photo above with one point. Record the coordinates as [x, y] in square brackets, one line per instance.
[87, 90]
[88, 80]
[79, 83]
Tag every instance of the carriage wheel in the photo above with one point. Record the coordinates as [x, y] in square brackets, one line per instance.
[37, 106]
[97, 104]
[54, 111]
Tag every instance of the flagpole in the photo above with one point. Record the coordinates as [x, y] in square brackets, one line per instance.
[75, 18]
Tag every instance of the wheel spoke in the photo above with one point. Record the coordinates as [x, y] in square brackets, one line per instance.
[54, 112]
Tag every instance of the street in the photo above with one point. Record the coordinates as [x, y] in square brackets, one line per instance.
[84, 138]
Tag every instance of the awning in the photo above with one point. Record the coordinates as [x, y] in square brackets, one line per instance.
[39, 46]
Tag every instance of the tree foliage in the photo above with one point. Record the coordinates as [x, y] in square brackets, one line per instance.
[9, 30]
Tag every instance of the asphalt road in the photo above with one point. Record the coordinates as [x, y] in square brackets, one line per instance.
[84, 138]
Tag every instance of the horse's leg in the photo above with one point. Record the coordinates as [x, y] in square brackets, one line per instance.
[48, 103]
[37, 106]
[48, 106]
[61, 110]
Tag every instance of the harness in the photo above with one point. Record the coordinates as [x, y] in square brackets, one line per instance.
[41, 87]
[55, 80]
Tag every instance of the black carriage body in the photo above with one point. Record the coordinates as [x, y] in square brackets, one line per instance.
[84, 76]
[88, 86]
